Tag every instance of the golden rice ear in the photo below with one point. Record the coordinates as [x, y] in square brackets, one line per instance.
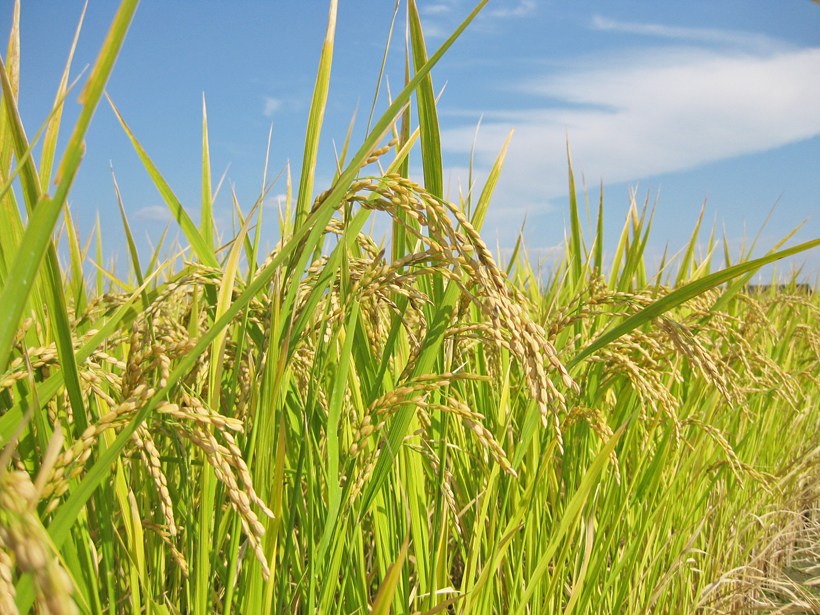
[52, 454]
[481, 280]
[8, 592]
[23, 535]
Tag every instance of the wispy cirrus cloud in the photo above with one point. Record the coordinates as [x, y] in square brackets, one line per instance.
[436, 9]
[653, 110]
[276, 201]
[698, 35]
[440, 17]
[522, 9]
[271, 106]
[153, 213]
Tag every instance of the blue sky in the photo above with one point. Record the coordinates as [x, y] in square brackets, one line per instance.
[683, 102]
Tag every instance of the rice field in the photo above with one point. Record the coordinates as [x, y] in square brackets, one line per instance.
[410, 426]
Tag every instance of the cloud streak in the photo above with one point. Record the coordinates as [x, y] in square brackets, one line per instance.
[438, 17]
[701, 35]
[276, 201]
[272, 105]
[522, 9]
[644, 113]
[153, 213]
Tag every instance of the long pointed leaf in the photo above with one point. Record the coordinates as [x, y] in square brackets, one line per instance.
[206, 225]
[428, 116]
[314, 128]
[199, 245]
[489, 187]
[684, 294]
[50, 140]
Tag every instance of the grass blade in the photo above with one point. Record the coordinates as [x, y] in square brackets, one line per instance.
[314, 128]
[206, 226]
[199, 245]
[50, 140]
[384, 597]
[428, 116]
[574, 253]
[599, 235]
[13, 67]
[683, 272]
[489, 187]
[132, 247]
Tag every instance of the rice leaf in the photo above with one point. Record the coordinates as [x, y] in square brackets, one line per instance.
[574, 253]
[387, 589]
[489, 186]
[132, 246]
[199, 245]
[684, 294]
[683, 272]
[428, 116]
[206, 226]
[315, 119]
[50, 140]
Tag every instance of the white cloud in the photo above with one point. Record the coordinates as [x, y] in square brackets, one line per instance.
[272, 105]
[437, 17]
[154, 213]
[433, 30]
[276, 201]
[524, 8]
[642, 114]
[436, 9]
[702, 35]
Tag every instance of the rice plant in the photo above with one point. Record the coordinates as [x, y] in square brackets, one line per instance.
[339, 426]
